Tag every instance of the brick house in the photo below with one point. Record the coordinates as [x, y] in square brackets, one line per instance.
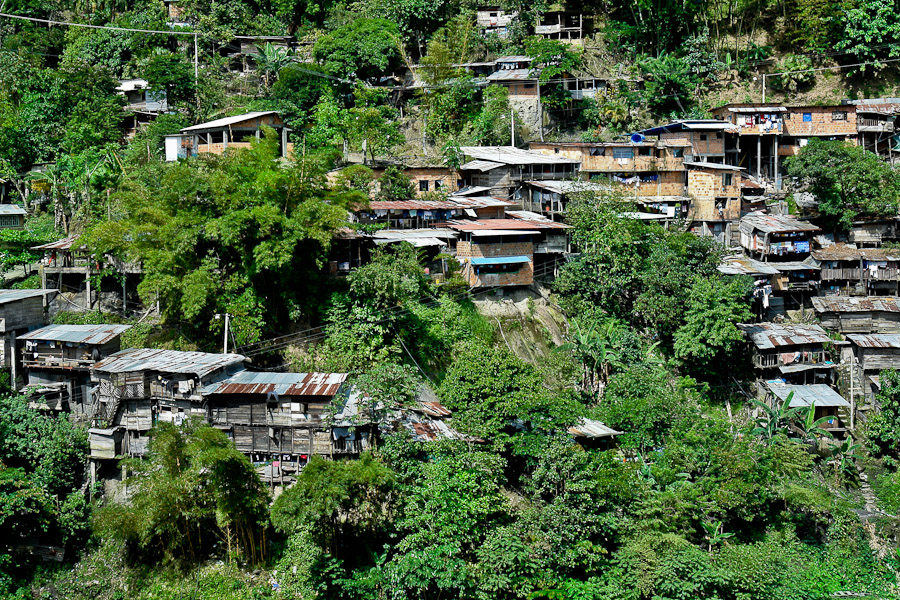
[715, 192]
[768, 133]
[502, 252]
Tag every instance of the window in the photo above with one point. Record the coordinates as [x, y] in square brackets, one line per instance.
[437, 185]
[839, 115]
[702, 137]
[9, 221]
[678, 152]
[727, 179]
[595, 151]
[556, 150]
[807, 117]
[529, 86]
[460, 183]
[623, 153]
[423, 185]
[786, 116]
[644, 151]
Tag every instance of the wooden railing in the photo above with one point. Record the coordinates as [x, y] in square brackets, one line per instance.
[859, 274]
[874, 124]
[765, 361]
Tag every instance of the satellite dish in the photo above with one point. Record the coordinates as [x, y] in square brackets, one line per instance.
[637, 138]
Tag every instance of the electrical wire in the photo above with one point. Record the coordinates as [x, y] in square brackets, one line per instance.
[85, 25]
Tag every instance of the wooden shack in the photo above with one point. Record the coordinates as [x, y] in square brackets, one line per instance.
[282, 416]
[12, 216]
[798, 353]
[826, 402]
[58, 360]
[879, 314]
[139, 387]
[503, 170]
[776, 237]
[873, 353]
[20, 311]
[848, 270]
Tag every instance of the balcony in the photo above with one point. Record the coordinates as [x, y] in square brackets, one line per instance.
[859, 275]
[874, 125]
[773, 360]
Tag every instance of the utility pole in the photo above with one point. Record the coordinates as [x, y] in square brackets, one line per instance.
[227, 325]
[512, 127]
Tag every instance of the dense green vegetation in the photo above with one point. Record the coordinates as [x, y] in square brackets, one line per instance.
[705, 496]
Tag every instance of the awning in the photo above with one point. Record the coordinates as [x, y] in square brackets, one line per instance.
[495, 232]
[417, 242]
[758, 109]
[799, 368]
[501, 260]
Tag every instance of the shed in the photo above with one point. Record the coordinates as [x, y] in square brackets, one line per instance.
[876, 351]
[873, 314]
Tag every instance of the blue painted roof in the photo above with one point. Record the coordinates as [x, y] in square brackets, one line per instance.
[500, 260]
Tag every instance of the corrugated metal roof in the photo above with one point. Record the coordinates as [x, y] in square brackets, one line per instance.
[757, 109]
[510, 155]
[516, 58]
[418, 242]
[591, 428]
[449, 204]
[569, 187]
[167, 361]
[875, 340]
[744, 265]
[711, 165]
[795, 265]
[768, 336]
[80, 334]
[805, 395]
[691, 125]
[513, 75]
[411, 234]
[849, 304]
[11, 209]
[480, 165]
[63, 244]
[226, 121]
[501, 224]
[470, 190]
[848, 252]
[433, 408]
[282, 384]
[7, 296]
[775, 223]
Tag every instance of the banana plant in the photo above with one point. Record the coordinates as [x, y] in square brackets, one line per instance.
[809, 428]
[774, 418]
[714, 534]
[844, 458]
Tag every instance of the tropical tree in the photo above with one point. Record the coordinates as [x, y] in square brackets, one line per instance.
[715, 536]
[775, 419]
[271, 60]
[846, 180]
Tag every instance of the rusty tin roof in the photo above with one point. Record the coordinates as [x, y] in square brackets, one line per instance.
[79, 334]
[167, 361]
[875, 340]
[850, 304]
[282, 384]
[768, 336]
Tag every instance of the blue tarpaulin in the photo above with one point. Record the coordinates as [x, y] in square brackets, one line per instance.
[500, 260]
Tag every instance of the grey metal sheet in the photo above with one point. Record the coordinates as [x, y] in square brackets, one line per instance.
[80, 334]
[7, 296]
[167, 361]
[805, 395]
[875, 340]
[226, 121]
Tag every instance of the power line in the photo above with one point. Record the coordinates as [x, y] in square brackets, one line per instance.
[85, 25]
